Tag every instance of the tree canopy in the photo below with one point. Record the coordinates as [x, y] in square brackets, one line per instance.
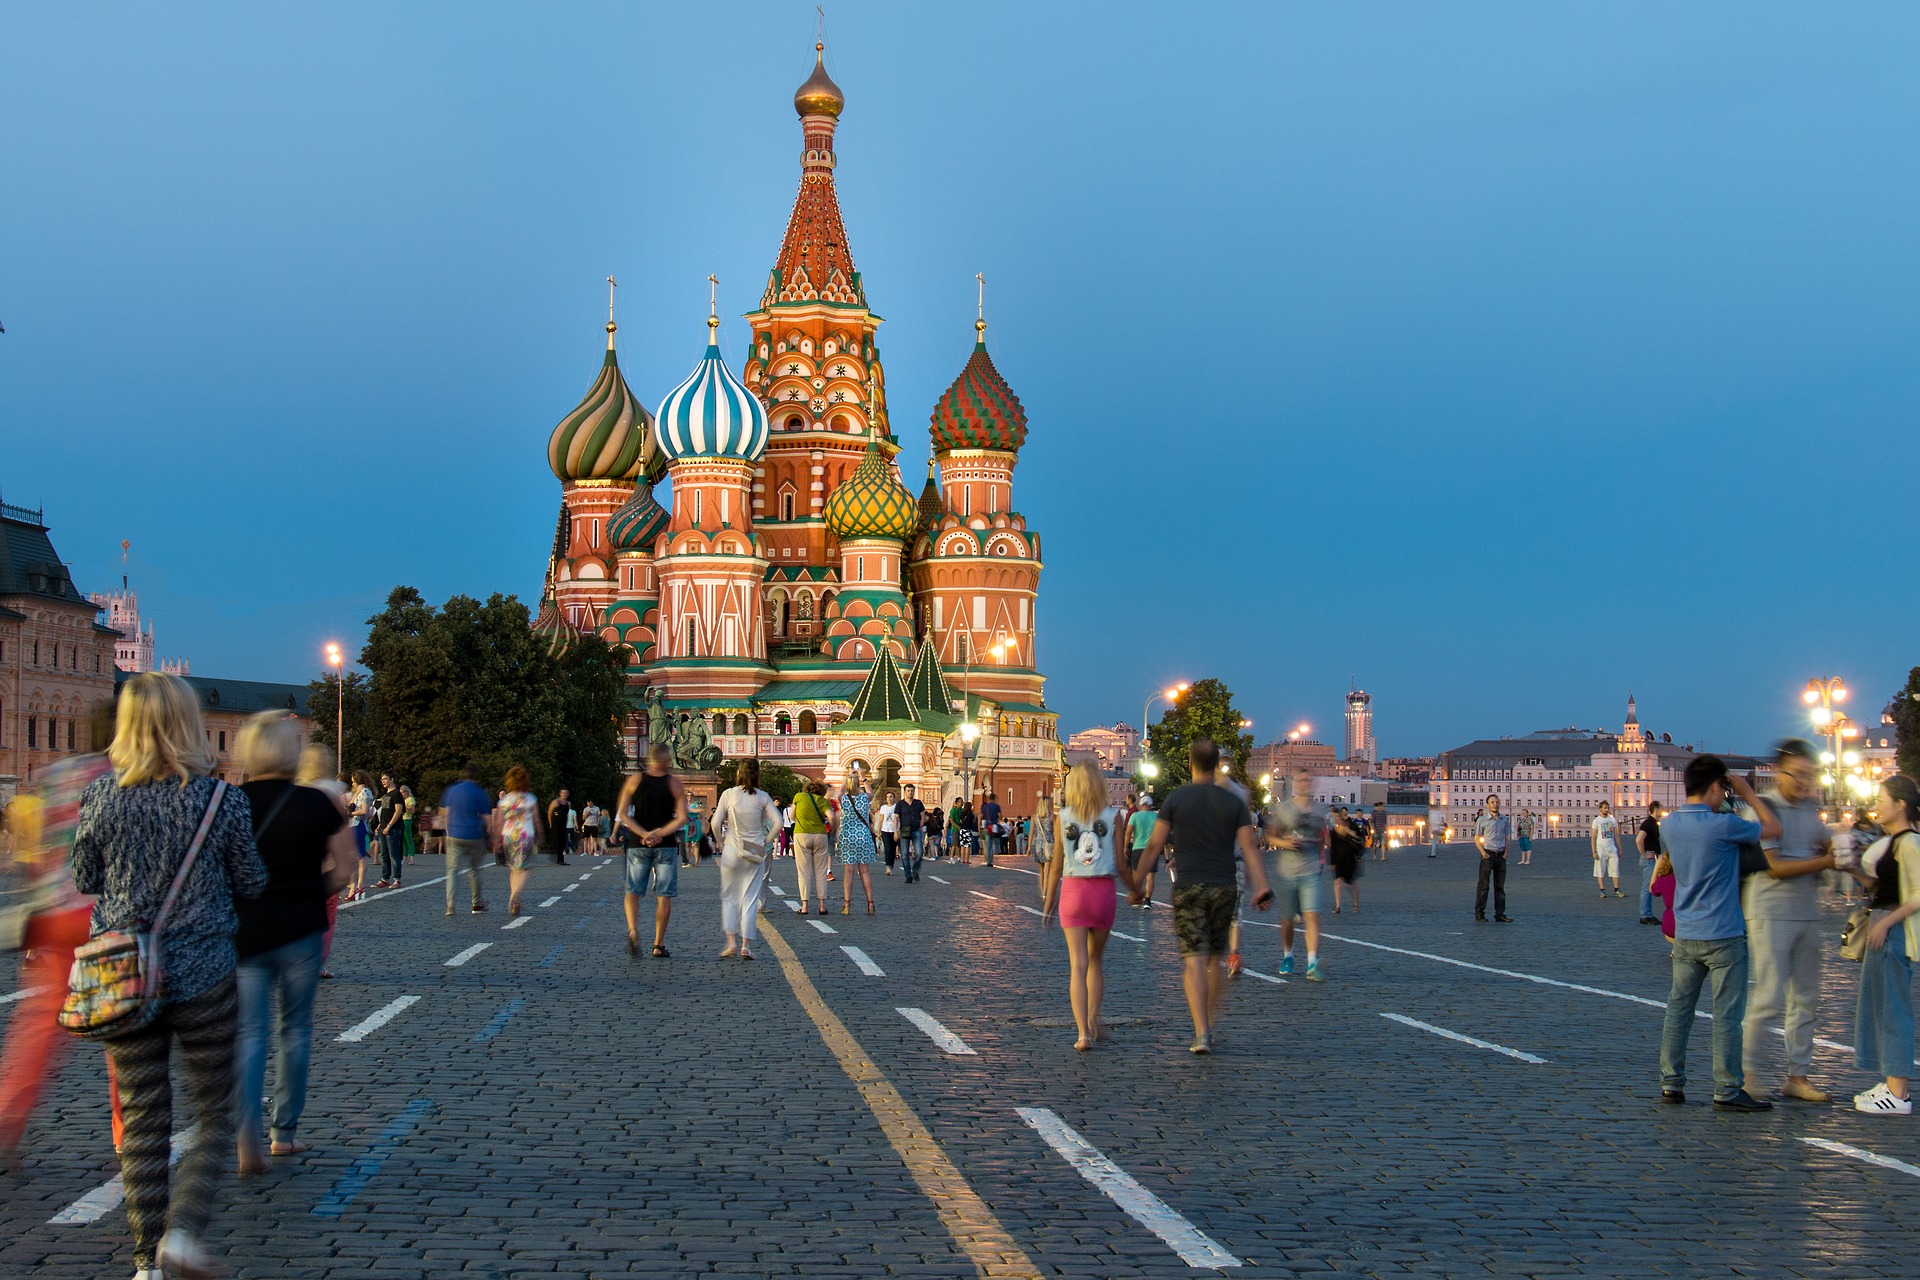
[1905, 710]
[1205, 710]
[471, 682]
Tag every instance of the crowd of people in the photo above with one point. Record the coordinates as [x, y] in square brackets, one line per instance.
[254, 875]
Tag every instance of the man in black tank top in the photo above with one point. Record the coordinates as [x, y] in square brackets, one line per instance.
[650, 812]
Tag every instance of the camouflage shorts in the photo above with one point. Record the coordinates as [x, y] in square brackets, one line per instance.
[1203, 917]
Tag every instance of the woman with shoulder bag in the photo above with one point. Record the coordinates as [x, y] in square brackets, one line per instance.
[858, 849]
[745, 819]
[309, 854]
[136, 831]
[1079, 876]
[1883, 1026]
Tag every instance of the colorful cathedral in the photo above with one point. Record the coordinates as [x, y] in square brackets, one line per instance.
[793, 601]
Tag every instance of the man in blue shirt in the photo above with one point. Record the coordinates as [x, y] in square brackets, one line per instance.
[467, 810]
[990, 826]
[1709, 931]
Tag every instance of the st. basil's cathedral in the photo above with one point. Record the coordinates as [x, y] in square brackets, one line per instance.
[796, 602]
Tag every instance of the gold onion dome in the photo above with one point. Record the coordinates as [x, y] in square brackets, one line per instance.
[979, 411]
[638, 522]
[871, 503]
[819, 96]
[609, 434]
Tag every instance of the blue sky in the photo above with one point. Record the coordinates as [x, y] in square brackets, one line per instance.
[1501, 357]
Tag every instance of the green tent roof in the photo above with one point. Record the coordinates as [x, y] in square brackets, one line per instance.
[883, 698]
[928, 691]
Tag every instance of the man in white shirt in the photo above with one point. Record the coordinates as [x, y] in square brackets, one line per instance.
[1605, 838]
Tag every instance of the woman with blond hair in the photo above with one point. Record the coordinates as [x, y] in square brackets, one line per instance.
[136, 827]
[520, 831]
[309, 855]
[1078, 877]
[858, 849]
[745, 819]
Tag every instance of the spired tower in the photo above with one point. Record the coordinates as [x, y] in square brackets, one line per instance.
[874, 519]
[1360, 744]
[813, 360]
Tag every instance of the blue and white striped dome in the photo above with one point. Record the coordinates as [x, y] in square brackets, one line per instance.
[711, 414]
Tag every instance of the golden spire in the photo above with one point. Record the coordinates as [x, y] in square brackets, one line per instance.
[713, 309]
[611, 326]
[980, 324]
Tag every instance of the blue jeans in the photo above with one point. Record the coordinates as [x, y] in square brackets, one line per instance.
[1724, 960]
[1883, 1021]
[392, 847]
[293, 970]
[912, 845]
[1646, 888]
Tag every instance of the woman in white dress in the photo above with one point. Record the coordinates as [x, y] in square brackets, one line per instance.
[745, 821]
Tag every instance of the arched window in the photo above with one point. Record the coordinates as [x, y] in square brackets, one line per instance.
[783, 724]
[809, 723]
[786, 503]
[806, 606]
[719, 723]
[796, 423]
[740, 726]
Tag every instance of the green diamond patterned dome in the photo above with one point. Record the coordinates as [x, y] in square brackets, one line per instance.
[871, 503]
[979, 411]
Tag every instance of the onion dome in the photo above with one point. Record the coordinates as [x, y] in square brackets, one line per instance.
[872, 503]
[609, 435]
[979, 411]
[819, 96]
[932, 505]
[638, 521]
[551, 631]
[711, 414]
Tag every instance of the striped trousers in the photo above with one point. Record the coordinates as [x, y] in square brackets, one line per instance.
[204, 1027]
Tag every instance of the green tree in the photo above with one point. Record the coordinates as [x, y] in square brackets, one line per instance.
[1205, 710]
[776, 780]
[1905, 710]
[325, 699]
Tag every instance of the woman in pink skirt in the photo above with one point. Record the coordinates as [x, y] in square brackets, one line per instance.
[1079, 877]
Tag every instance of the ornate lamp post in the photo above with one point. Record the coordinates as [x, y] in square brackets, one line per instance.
[339, 711]
[1820, 696]
[1170, 697]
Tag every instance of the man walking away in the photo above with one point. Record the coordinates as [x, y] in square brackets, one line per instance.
[911, 817]
[1648, 842]
[1139, 832]
[466, 810]
[1207, 824]
[1491, 832]
[990, 826]
[652, 810]
[1784, 938]
[1709, 935]
[1605, 839]
[1380, 829]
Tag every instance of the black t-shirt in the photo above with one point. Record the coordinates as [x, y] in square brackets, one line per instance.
[294, 848]
[392, 805]
[1650, 830]
[1206, 821]
[909, 814]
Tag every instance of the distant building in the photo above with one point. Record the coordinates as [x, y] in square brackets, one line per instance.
[1410, 771]
[1347, 790]
[1360, 744]
[56, 657]
[226, 705]
[1118, 746]
[1283, 759]
[1562, 775]
[134, 651]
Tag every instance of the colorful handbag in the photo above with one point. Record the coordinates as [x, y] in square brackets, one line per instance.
[115, 986]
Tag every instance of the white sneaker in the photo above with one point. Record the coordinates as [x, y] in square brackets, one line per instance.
[1881, 1100]
[154, 1274]
[183, 1256]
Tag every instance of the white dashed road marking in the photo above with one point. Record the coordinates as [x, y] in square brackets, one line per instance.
[1029, 910]
[570, 888]
[21, 994]
[823, 926]
[375, 897]
[938, 880]
[976, 893]
[1129, 937]
[1264, 977]
[1858, 1153]
[867, 966]
[550, 901]
[1405, 1021]
[106, 1197]
[378, 1019]
[1195, 1247]
[935, 1032]
[468, 954]
[515, 924]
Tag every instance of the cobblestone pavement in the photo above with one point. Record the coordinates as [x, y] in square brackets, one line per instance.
[551, 1107]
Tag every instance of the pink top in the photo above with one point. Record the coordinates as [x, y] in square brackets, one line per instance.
[1663, 887]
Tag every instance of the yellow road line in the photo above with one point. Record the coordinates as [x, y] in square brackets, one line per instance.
[964, 1214]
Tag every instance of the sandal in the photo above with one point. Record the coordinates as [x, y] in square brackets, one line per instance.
[744, 953]
[293, 1148]
[661, 953]
[869, 906]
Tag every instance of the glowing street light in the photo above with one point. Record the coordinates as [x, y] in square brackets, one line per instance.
[334, 660]
[1170, 696]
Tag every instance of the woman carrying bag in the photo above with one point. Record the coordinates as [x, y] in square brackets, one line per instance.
[1883, 1026]
[167, 849]
[745, 819]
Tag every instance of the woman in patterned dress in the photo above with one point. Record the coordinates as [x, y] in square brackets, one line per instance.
[520, 831]
[857, 845]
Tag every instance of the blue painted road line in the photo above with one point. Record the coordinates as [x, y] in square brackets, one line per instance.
[551, 957]
[500, 1020]
[583, 922]
[363, 1170]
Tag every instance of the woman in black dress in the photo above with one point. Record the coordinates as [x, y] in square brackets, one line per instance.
[1343, 854]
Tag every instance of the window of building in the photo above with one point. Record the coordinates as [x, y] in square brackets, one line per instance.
[33, 733]
[223, 741]
[70, 746]
[809, 723]
[740, 725]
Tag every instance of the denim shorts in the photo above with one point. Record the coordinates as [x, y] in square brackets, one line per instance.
[654, 869]
[1297, 895]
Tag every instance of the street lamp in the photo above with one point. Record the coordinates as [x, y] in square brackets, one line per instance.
[1170, 697]
[334, 659]
[969, 731]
